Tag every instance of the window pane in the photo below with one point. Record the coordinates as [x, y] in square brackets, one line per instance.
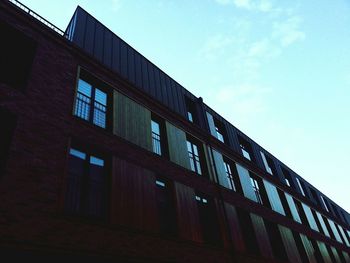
[77, 153]
[84, 88]
[100, 115]
[189, 146]
[96, 161]
[155, 127]
[101, 97]
[82, 106]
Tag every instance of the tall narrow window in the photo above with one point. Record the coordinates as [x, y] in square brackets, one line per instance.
[268, 163]
[91, 104]
[86, 193]
[156, 137]
[245, 148]
[324, 203]
[287, 177]
[193, 153]
[208, 220]
[220, 131]
[191, 110]
[256, 189]
[301, 186]
[229, 175]
[166, 208]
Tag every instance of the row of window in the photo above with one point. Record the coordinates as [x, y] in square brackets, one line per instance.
[88, 192]
[93, 108]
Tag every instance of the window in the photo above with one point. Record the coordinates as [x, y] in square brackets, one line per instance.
[314, 195]
[208, 220]
[287, 177]
[245, 148]
[191, 110]
[166, 208]
[86, 193]
[247, 228]
[194, 155]
[229, 175]
[8, 123]
[324, 203]
[276, 241]
[158, 136]
[301, 186]
[91, 102]
[256, 189]
[220, 131]
[268, 163]
[16, 56]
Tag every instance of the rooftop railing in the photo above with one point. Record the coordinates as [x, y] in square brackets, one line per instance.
[37, 16]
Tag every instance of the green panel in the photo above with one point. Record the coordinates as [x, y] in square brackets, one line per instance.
[274, 198]
[323, 225]
[208, 161]
[346, 257]
[220, 169]
[262, 236]
[247, 187]
[336, 255]
[131, 121]
[334, 230]
[211, 124]
[289, 244]
[344, 236]
[310, 217]
[324, 251]
[177, 146]
[293, 208]
[309, 249]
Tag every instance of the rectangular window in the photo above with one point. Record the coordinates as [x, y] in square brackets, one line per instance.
[15, 63]
[266, 163]
[208, 220]
[256, 189]
[191, 110]
[287, 177]
[91, 103]
[245, 148]
[324, 202]
[86, 193]
[229, 175]
[156, 137]
[301, 186]
[8, 123]
[166, 208]
[220, 131]
[195, 158]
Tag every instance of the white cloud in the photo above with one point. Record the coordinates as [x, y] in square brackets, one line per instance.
[288, 31]
[215, 46]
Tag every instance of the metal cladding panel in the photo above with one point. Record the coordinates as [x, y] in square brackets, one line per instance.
[309, 249]
[107, 49]
[324, 252]
[162, 89]
[145, 78]
[233, 135]
[310, 217]
[131, 65]
[124, 59]
[116, 53]
[342, 232]
[211, 123]
[336, 255]
[174, 95]
[181, 99]
[169, 92]
[261, 236]
[99, 41]
[79, 30]
[289, 244]
[323, 225]
[151, 79]
[346, 257]
[157, 88]
[247, 187]
[89, 35]
[334, 230]
[274, 198]
[138, 70]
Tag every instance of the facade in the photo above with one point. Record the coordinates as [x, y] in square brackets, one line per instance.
[104, 157]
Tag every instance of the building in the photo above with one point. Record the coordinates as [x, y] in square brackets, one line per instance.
[106, 158]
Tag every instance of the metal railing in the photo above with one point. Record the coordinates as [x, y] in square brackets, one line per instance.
[37, 17]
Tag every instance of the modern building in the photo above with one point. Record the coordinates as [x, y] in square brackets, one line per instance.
[104, 157]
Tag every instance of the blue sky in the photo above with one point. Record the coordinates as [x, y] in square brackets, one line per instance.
[277, 70]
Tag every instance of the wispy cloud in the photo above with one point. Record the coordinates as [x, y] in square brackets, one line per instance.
[257, 5]
[288, 31]
[116, 5]
[215, 46]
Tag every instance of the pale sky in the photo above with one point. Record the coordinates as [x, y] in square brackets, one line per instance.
[277, 70]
